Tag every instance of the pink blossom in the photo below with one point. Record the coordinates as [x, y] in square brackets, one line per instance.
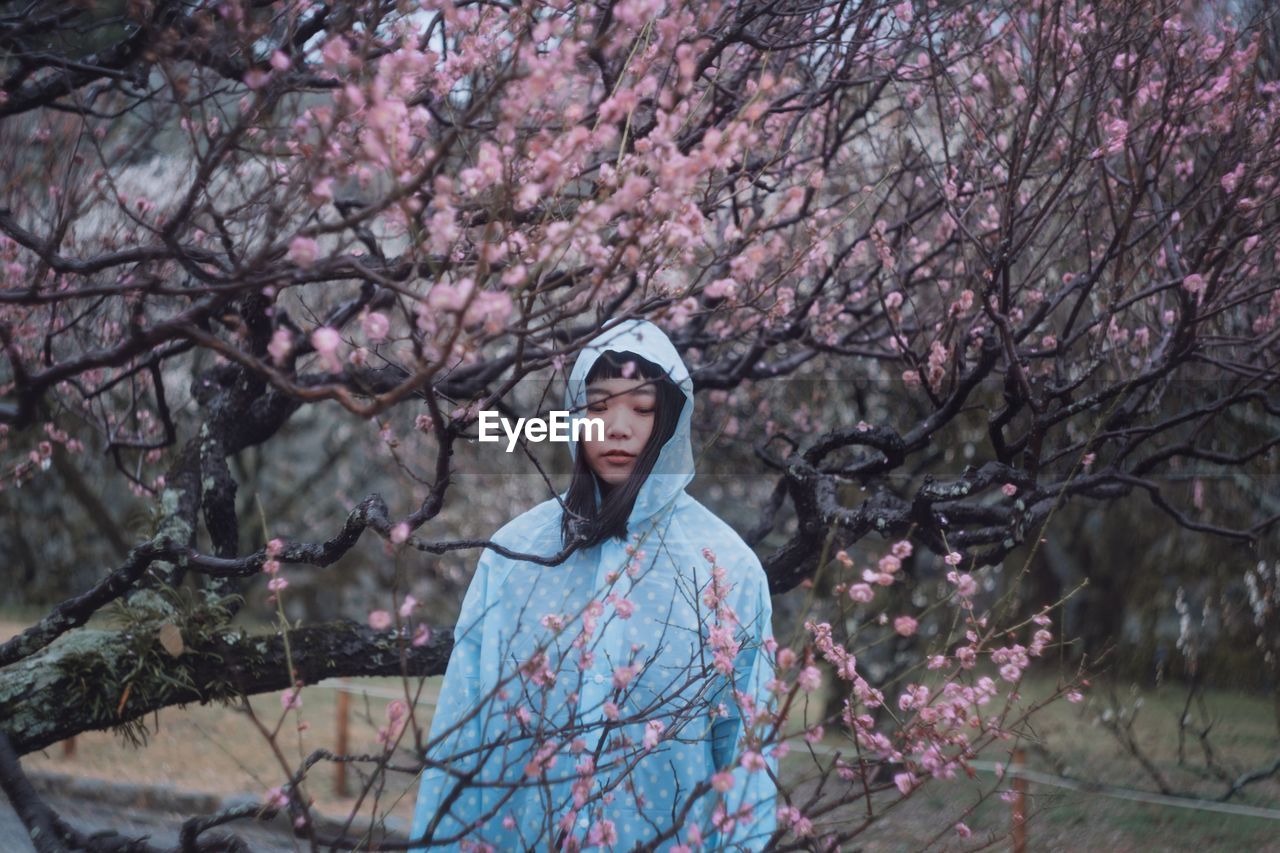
[1009, 490]
[322, 190]
[722, 781]
[400, 532]
[752, 761]
[256, 78]
[406, 606]
[1117, 132]
[902, 549]
[905, 625]
[915, 696]
[277, 584]
[1075, 696]
[281, 345]
[905, 782]
[965, 585]
[623, 606]
[1194, 284]
[380, 620]
[723, 662]
[962, 830]
[290, 699]
[421, 635]
[602, 834]
[277, 798]
[889, 564]
[952, 559]
[652, 732]
[303, 251]
[326, 341]
[721, 288]
[611, 710]
[543, 760]
[622, 676]
[1232, 178]
[375, 326]
[810, 679]
[861, 592]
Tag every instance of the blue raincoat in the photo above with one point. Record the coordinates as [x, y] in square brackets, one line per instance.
[582, 703]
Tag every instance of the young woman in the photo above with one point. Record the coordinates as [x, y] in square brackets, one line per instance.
[584, 702]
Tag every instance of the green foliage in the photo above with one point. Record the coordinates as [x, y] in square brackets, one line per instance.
[144, 671]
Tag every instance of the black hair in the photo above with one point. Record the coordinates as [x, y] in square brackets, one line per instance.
[595, 524]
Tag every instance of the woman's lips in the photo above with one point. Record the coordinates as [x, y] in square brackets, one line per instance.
[618, 456]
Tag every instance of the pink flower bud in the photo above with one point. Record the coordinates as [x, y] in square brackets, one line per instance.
[303, 251]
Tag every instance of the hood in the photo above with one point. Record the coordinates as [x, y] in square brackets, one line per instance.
[674, 468]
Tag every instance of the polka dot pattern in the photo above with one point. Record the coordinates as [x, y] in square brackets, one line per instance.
[581, 692]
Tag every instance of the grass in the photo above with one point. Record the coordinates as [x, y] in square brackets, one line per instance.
[1070, 738]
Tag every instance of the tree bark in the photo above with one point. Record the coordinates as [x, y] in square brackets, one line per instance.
[79, 683]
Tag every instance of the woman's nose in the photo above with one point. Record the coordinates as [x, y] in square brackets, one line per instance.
[619, 428]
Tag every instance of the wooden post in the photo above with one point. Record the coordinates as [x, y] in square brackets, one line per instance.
[1019, 803]
[340, 771]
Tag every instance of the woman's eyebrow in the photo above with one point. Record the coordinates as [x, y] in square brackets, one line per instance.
[645, 390]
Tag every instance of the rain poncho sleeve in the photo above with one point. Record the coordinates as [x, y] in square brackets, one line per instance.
[753, 670]
[460, 742]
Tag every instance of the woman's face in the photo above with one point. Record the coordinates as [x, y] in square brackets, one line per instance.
[627, 407]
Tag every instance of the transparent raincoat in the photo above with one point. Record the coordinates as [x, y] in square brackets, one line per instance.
[585, 702]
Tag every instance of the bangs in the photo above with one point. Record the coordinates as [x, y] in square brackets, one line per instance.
[610, 365]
